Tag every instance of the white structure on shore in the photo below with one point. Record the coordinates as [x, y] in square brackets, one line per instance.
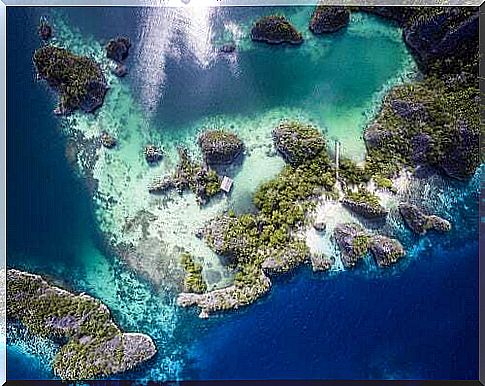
[226, 184]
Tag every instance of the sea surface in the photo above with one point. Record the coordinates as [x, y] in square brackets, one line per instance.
[418, 320]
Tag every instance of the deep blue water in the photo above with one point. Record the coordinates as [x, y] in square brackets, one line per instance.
[419, 322]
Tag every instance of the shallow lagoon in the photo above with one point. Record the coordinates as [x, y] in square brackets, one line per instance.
[176, 86]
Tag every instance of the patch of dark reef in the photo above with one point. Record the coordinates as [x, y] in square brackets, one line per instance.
[189, 175]
[44, 30]
[78, 80]
[275, 29]
[328, 19]
[92, 344]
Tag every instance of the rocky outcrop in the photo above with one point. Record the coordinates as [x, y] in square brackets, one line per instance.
[365, 209]
[327, 19]
[297, 142]
[386, 251]
[319, 226]
[94, 345]
[376, 135]
[117, 50]
[216, 233]
[353, 242]
[419, 222]
[227, 298]
[320, 262]
[220, 147]
[364, 203]
[275, 30]
[280, 261]
[78, 80]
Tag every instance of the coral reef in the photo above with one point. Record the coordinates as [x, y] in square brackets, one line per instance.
[204, 183]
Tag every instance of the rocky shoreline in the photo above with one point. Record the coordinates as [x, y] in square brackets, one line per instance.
[92, 345]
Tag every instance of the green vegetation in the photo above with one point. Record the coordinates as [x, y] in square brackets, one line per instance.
[360, 245]
[78, 79]
[351, 173]
[433, 137]
[282, 202]
[384, 183]
[298, 142]
[365, 197]
[82, 323]
[193, 281]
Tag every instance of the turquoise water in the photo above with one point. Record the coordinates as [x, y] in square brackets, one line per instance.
[179, 84]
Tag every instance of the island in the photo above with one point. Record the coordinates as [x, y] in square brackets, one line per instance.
[275, 29]
[78, 80]
[92, 345]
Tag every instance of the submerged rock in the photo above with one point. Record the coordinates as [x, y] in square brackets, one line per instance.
[228, 48]
[44, 30]
[153, 154]
[297, 142]
[419, 222]
[107, 140]
[275, 30]
[386, 251]
[220, 147]
[353, 242]
[78, 79]
[319, 226]
[120, 70]
[94, 345]
[326, 19]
